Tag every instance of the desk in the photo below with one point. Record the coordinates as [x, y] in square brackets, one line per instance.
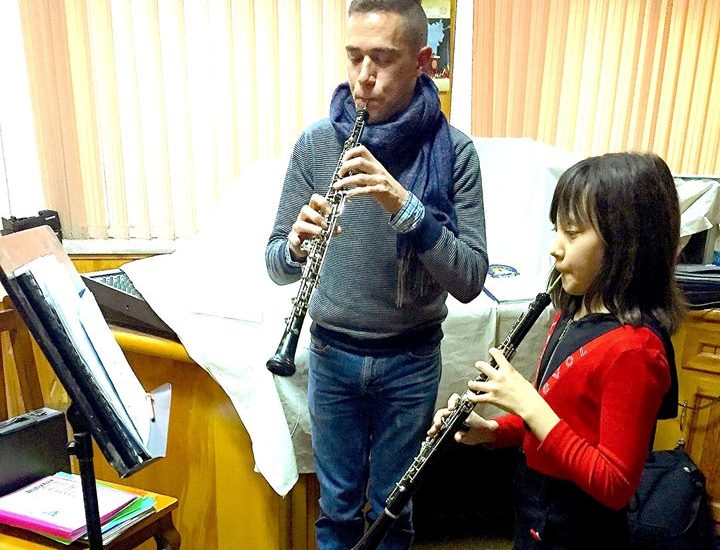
[159, 522]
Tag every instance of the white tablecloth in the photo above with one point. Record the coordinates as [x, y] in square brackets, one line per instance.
[215, 293]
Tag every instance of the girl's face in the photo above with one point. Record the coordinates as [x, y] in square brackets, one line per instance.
[578, 253]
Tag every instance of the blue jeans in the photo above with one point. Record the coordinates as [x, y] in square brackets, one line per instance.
[368, 416]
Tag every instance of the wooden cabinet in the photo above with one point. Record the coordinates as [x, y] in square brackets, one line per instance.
[697, 352]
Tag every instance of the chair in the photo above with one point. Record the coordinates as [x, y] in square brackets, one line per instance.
[21, 350]
[158, 526]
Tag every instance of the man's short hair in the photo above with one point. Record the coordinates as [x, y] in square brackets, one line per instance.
[416, 23]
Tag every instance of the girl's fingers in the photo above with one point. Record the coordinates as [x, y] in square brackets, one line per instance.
[498, 356]
[441, 414]
[484, 367]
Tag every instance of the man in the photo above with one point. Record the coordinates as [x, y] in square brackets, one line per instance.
[412, 230]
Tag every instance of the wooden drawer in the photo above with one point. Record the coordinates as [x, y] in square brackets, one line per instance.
[701, 349]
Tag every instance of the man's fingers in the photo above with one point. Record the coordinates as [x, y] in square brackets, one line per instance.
[357, 165]
[317, 204]
[308, 228]
[359, 151]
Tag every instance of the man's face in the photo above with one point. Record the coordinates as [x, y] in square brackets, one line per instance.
[382, 66]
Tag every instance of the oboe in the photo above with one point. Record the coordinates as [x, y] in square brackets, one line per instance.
[283, 362]
[430, 449]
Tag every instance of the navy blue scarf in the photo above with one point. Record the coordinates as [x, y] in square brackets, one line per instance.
[415, 147]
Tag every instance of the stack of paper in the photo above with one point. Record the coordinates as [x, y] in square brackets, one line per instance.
[53, 506]
[125, 518]
[700, 285]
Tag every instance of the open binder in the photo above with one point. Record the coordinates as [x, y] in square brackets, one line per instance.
[108, 401]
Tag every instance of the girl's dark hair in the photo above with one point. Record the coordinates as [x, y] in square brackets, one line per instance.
[631, 201]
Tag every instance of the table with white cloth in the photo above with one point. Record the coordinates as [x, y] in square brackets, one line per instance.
[216, 295]
[214, 292]
[274, 409]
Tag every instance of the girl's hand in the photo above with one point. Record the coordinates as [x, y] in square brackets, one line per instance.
[505, 387]
[479, 430]
[508, 389]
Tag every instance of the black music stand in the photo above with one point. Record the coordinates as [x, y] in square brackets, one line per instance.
[108, 402]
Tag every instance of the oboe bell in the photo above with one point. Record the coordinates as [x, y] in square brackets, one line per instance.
[283, 362]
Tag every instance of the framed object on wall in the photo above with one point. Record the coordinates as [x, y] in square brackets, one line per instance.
[439, 25]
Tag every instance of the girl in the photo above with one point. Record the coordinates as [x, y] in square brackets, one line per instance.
[607, 371]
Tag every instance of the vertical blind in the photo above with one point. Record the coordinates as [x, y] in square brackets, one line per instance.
[592, 76]
[145, 110]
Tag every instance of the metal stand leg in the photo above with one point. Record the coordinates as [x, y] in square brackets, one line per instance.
[81, 448]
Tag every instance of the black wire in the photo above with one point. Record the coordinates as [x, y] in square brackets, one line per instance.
[712, 402]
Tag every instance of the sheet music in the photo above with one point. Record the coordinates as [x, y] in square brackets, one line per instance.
[513, 289]
[515, 281]
[81, 318]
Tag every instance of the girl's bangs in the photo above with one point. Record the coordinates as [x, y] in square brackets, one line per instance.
[572, 204]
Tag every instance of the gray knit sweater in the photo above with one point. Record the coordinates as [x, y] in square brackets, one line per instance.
[356, 294]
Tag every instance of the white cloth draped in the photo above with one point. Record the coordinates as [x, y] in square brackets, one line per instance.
[215, 293]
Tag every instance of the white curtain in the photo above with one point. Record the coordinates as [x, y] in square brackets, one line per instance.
[146, 110]
[592, 76]
[20, 181]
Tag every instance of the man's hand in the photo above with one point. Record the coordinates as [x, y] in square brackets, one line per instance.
[369, 177]
[310, 222]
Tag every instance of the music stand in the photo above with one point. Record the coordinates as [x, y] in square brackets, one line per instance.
[108, 402]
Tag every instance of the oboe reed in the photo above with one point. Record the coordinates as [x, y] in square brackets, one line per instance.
[552, 286]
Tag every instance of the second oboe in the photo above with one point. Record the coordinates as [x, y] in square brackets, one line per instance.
[430, 449]
[283, 362]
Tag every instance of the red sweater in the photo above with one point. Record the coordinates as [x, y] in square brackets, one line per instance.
[607, 394]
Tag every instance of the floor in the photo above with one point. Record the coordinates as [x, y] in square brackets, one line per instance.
[465, 543]
[464, 531]
[465, 503]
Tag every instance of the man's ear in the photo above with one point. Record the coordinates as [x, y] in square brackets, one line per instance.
[424, 56]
